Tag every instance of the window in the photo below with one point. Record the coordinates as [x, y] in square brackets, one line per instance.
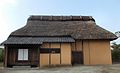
[22, 54]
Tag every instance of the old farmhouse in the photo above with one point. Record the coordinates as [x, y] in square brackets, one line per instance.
[58, 40]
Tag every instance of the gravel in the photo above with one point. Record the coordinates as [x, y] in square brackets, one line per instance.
[115, 68]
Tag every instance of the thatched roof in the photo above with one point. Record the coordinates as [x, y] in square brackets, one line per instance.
[78, 27]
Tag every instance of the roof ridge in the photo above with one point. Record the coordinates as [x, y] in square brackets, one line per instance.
[60, 18]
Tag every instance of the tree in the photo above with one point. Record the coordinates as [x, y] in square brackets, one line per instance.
[116, 52]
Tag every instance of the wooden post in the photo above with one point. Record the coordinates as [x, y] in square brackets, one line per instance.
[39, 56]
[5, 56]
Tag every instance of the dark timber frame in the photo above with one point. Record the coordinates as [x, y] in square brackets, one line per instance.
[11, 55]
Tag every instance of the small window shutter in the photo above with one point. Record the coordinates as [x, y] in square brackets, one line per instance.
[22, 54]
[25, 54]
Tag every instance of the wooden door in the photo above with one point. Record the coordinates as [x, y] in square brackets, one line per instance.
[49, 56]
[77, 57]
[11, 59]
[55, 59]
[44, 59]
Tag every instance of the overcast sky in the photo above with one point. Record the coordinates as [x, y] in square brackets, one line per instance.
[14, 13]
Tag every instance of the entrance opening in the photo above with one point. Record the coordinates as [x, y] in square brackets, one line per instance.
[77, 57]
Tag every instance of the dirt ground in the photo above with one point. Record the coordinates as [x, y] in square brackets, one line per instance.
[115, 68]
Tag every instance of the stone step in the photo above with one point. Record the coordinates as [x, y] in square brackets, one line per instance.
[23, 68]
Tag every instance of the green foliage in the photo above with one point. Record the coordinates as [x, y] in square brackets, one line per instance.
[1, 55]
[116, 52]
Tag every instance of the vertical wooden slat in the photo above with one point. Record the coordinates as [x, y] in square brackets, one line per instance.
[6, 51]
[38, 57]
[15, 55]
[82, 52]
[60, 53]
[49, 55]
[32, 55]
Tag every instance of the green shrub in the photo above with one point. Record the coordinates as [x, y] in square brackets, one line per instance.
[116, 52]
[1, 55]
[116, 55]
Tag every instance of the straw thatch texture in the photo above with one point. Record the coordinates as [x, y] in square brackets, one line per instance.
[79, 27]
